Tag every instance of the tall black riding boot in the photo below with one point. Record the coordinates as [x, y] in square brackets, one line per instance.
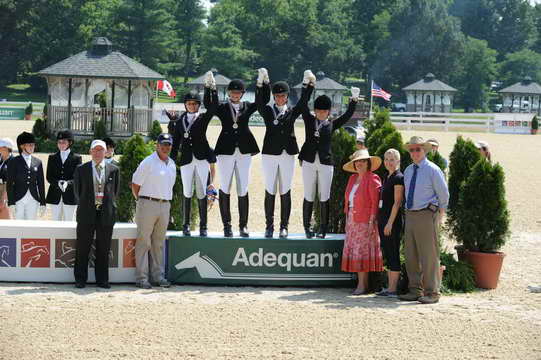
[187, 208]
[269, 214]
[324, 218]
[243, 215]
[202, 216]
[307, 208]
[285, 211]
[225, 212]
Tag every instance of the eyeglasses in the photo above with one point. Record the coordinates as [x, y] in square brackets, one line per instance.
[415, 150]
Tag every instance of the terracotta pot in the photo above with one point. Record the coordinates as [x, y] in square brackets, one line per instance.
[487, 267]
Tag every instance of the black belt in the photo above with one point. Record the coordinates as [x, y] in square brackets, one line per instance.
[153, 199]
[417, 210]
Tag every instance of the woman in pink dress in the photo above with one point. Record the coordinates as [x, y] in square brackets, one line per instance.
[362, 251]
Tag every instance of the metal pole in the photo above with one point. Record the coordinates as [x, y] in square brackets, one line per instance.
[370, 111]
[69, 104]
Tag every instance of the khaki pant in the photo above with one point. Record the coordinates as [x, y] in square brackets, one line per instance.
[422, 251]
[152, 218]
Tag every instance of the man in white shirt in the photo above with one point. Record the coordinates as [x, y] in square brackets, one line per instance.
[152, 187]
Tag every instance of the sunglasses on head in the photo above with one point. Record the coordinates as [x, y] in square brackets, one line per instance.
[417, 149]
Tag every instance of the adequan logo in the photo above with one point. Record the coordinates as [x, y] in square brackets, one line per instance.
[208, 269]
[284, 260]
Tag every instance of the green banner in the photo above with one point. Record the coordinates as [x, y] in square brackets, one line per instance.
[295, 261]
[10, 113]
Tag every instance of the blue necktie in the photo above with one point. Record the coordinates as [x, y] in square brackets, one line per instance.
[411, 190]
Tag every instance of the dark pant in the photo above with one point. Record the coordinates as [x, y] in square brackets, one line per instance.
[390, 245]
[85, 237]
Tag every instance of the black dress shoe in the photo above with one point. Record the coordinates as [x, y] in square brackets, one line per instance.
[243, 232]
[104, 285]
[283, 233]
[228, 232]
[268, 232]
[80, 285]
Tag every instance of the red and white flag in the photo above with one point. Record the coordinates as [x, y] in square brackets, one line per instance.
[166, 87]
[377, 91]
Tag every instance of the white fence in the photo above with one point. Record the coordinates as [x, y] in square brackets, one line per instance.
[487, 122]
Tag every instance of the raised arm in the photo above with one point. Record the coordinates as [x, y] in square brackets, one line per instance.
[303, 107]
[210, 99]
[262, 98]
[342, 119]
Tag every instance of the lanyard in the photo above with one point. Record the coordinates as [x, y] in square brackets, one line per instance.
[234, 114]
[190, 124]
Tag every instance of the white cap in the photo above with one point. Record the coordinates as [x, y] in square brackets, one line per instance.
[481, 144]
[7, 142]
[98, 143]
[360, 135]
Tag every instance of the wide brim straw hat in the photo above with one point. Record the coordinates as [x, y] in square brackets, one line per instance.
[361, 155]
[419, 141]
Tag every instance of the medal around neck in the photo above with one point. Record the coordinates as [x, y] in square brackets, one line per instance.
[235, 126]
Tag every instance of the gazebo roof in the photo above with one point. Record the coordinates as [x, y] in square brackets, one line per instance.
[101, 62]
[220, 79]
[526, 86]
[429, 83]
[324, 83]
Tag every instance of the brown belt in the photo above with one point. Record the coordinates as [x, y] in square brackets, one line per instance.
[153, 199]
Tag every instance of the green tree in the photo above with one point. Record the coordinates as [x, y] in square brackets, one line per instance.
[483, 223]
[537, 16]
[422, 34]
[520, 64]
[477, 71]
[461, 161]
[143, 30]
[507, 25]
[135, 151]
[189, 16]
[224, 47]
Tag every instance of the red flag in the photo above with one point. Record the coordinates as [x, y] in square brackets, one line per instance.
[166, 87]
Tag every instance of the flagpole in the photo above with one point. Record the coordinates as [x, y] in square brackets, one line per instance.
[370, 111]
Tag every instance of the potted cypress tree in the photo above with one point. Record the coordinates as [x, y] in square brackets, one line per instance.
[482, 224]
[461, 161]
[535, 125]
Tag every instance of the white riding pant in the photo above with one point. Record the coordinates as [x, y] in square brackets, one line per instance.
[26, 208]
[237, 164]
[317, 174]
[197, 171]
[63, 212]
[278, 171]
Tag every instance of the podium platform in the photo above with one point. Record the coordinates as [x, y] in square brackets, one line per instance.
[293, 261]
[44, 251]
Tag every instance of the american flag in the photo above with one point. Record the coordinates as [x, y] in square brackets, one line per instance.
[379, 92]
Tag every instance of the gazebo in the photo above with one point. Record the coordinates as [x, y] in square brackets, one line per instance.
[430, 95]
[326, 86]
[221, 84]
[524, 96]
[100, 84]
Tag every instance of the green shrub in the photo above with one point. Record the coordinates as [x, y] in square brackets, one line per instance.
[462, 159]
[135, 151]
[535, 123]
[155, 131]
[483, 221]
[342, 145]
[177, 210]
[458, 275]
[437, 159]
[100, 129]
[29, 109]
[45, 113]
[40, 129]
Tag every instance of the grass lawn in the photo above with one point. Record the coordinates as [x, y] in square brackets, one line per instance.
[22, 92]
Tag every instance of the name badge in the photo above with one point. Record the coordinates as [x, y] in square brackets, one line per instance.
[381, 204]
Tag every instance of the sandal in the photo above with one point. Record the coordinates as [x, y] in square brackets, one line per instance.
[358, 292]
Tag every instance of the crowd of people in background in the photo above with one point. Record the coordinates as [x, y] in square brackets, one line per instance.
[378, 210]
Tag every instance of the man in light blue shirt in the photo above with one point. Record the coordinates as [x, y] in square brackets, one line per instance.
[427, 197]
